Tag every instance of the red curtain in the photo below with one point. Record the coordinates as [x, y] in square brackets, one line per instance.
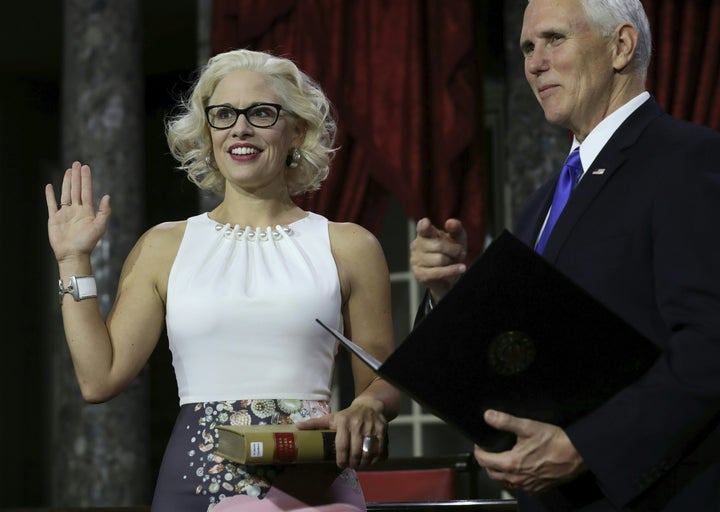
[685, 70]
[404, 78]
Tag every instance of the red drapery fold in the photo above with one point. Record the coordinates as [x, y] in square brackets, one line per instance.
[685, 70]
[404, 78]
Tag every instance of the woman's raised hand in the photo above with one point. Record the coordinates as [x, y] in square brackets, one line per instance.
[74, 227]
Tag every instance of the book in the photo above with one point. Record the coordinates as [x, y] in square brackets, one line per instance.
[274, 444]
[516, 335]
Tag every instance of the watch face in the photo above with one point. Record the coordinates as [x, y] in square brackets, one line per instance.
[85, 287]
[74, 291]
[80, 287]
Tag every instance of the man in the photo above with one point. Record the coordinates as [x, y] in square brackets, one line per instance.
[640, 233]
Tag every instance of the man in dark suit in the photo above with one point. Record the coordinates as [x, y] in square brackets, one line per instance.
[641, 233]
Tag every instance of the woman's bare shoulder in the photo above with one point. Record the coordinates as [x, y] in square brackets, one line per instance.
[351, 236]
[354, 246]
[161, 242]
[166, 233]
[169, 229]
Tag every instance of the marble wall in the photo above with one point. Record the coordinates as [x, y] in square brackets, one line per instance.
[534, 148]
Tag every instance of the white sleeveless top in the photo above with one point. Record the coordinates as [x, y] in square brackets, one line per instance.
[241, 310]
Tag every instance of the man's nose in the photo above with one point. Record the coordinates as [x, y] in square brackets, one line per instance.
[536, 61]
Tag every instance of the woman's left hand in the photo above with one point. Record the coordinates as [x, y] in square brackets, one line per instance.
[360, 438]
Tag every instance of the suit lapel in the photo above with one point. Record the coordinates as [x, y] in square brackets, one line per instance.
[533, 215]
[609, 161]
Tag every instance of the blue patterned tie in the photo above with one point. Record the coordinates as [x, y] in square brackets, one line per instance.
[569, 176]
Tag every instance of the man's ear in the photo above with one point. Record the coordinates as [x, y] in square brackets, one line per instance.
[624, 44]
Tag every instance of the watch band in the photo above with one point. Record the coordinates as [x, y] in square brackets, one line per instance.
[80, 287]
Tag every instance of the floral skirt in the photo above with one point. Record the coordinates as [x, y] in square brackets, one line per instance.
[193, 478]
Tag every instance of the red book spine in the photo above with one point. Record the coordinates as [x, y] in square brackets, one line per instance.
[285, 448]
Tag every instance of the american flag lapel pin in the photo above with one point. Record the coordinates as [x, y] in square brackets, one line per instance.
[599, 172]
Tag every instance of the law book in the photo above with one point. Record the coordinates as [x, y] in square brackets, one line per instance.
[274, 444]
[516, 335]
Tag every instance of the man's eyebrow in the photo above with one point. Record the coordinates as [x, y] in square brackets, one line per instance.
[549, 32]
[545, 34]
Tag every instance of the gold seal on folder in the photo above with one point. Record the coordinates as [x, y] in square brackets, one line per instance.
[511, 352]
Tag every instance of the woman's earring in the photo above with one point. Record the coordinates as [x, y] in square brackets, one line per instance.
[209, 162]
[293, 159]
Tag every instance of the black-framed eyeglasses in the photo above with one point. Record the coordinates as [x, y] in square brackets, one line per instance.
[260, 115]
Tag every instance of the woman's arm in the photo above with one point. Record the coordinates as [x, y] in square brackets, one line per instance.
[367, 319]
[106, 355]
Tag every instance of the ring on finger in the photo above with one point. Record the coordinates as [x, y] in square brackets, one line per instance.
[369, 443]
[69, 203]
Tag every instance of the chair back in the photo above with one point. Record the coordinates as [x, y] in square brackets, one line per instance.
[420, 479]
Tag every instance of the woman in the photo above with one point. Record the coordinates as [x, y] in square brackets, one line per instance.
[238, 289]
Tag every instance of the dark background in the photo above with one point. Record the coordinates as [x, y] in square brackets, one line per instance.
[30, 152]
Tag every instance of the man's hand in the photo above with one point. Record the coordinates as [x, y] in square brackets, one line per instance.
[542, 457]
[437, 257]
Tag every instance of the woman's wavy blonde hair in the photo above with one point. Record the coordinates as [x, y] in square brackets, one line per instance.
[188, 134]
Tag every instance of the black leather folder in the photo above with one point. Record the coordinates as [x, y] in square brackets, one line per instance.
[516, 335]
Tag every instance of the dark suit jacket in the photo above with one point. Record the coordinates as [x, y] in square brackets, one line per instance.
[641, 232]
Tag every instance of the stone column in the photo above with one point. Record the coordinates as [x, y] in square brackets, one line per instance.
[535, 149]
[207, 200]
[101, 452]
[204, 29]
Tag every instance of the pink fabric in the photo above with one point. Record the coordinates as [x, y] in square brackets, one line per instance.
[303, 488]
[278, 501]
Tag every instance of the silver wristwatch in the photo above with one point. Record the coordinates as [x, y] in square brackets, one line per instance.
[80, 287]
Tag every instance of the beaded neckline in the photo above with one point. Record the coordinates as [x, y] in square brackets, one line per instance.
[253, 234]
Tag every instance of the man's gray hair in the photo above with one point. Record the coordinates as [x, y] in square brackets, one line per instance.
[607, 15]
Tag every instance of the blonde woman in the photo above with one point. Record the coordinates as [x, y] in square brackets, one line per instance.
[238, 289]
